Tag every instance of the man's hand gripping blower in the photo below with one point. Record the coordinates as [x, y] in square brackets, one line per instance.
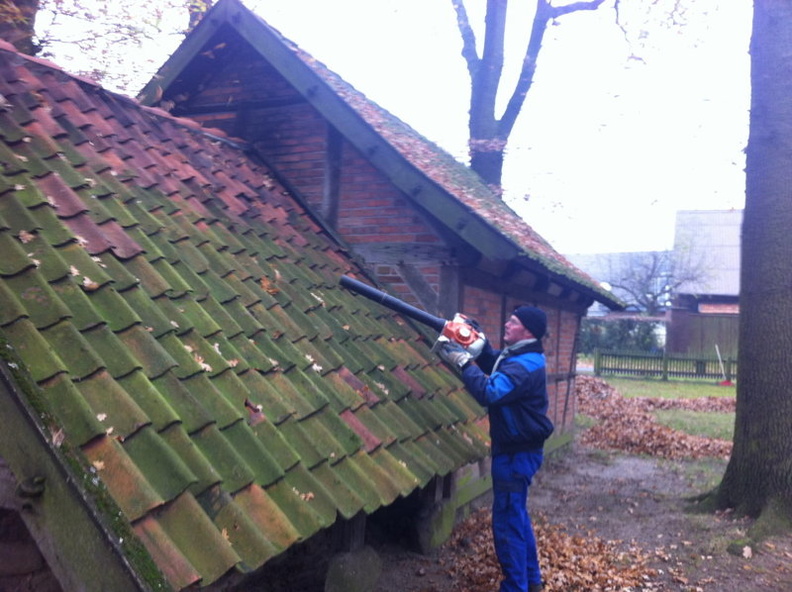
[460, 339]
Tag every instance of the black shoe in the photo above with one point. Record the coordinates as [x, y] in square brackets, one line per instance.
[535, 587]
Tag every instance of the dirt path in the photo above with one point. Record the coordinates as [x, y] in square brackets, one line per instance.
[646, 502]
[610, 503]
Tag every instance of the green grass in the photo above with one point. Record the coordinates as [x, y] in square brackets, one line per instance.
[669, 389]
[698, 423]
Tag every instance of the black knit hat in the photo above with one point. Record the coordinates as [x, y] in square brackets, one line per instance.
[533, 319]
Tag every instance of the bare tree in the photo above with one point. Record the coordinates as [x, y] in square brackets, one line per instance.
[758, 478]
[488, 132]
[652, 277]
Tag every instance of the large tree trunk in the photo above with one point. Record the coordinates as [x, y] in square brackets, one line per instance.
[17, 21]
[758, 479]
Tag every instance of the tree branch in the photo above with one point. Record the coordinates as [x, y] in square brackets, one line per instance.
[468, 38]
[575, 7]
[487, 80]
[544, 13]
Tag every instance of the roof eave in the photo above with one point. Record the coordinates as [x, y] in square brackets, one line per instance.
[55, 505]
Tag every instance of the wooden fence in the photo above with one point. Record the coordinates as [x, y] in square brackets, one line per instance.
[663, 366]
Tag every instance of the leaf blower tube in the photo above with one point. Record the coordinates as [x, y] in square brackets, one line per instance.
[458, 330]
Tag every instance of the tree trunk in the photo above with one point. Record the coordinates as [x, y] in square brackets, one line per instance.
[486, 143]
[17, 21]
[488, 133]
[197, 9]
[758, 478]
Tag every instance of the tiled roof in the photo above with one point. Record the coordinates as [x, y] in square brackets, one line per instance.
[182, 318]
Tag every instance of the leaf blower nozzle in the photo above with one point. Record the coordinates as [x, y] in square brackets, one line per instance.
[458, 329]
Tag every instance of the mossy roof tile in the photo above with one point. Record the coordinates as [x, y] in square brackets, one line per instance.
[81, 308]
[397, 471]
[113, 407]
[79, 421]
[176, 568]
[275, 443]
[11, 308]
[386, 486]
[164, 469]
[244, 534]
[265, 394]
[203, 389]
[148, 276]
[153, 319]
[226, 460]
[357, 479]
[313, 492]
[122, 278]
[15, 214]
[87, 270]
[333, 438]
[132, 492]
[177, 285]
[307, 389]
[414, 461]
[268, 516]
[432, 446]
[149, 399]
[108, 305]
[109, 348]
[246, 443]
[333, 479]
[199, 466]
[14, 259]
[146, 349]
[73, 349]
[296, 434]
[248, 351]
[197, 537]
[398, 421]
[43, 306]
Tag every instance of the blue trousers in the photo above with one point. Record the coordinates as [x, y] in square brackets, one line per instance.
[515, 543]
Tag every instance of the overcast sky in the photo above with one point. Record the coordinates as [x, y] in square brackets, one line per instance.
[615, 136]
[608, 147]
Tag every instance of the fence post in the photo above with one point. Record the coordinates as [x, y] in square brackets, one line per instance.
[665, 364]
[597, 362]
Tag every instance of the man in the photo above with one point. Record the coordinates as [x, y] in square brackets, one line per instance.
[512, 385]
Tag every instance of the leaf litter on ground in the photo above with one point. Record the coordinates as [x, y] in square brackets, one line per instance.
[576, 562]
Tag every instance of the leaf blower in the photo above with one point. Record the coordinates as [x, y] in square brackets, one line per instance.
[460, 329]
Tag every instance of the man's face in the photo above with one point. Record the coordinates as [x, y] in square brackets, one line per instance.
[514, 331]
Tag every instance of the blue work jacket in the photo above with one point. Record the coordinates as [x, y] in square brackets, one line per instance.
[513, 388]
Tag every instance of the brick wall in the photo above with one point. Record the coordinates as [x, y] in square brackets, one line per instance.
[373, 210]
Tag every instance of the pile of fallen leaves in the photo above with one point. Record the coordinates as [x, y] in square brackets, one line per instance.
[571, 562]
[628, 424]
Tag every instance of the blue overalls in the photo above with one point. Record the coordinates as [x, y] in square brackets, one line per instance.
[515, 395]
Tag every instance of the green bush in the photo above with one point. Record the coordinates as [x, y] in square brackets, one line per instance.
[618, 334]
